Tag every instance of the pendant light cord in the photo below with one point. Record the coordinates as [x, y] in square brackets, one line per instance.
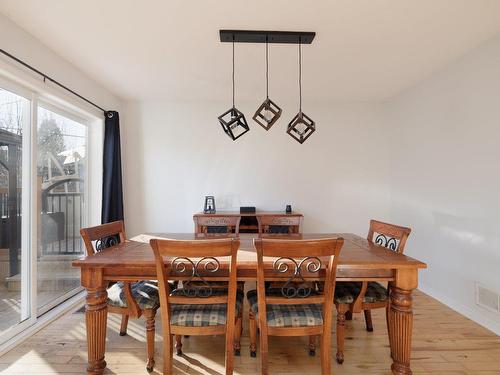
[233, 72]
[300, 77]
[267, 70]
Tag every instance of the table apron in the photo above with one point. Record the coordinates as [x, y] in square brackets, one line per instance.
[351, 274]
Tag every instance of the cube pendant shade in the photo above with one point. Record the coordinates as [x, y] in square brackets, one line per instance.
[234, 123]
[301, 127]
[269, 108]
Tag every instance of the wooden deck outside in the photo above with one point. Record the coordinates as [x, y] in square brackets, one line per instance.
[444, 343]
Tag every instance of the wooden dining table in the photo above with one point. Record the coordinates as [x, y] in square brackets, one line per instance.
[360, 260]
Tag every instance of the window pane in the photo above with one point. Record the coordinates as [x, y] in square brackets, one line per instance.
[14, 115]
[61, 170]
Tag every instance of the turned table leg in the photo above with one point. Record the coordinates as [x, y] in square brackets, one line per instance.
[387, 314]
[400, 321]
[96, 314]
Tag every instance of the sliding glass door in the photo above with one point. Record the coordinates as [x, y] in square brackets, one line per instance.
[61, 175]
[15, 118]
[44, 184]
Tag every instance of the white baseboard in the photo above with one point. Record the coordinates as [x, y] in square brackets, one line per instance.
[70, 305]
[474, 314]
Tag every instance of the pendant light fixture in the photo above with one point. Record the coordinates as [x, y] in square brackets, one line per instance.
[233, 121]
[268, 112]
[302, 126]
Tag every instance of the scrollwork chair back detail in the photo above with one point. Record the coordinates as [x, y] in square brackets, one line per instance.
[296, 286]
[105, 242]
[103, 236]
[388, 235]
[389, 242]
[183, 266]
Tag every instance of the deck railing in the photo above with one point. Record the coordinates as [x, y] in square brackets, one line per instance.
[5, 229]
[62, 218]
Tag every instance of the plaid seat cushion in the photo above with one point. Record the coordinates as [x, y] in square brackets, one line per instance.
[287, 315]
[144, 292]
[202, 315]
[346, 292]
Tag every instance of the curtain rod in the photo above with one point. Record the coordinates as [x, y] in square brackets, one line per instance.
[46, 77]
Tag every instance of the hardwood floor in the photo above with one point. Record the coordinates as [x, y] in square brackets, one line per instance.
[10, 304]
[444, 342]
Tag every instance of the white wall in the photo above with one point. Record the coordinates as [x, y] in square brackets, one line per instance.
[445, 178]
[427, 158]
[176, 153]
[24, 46]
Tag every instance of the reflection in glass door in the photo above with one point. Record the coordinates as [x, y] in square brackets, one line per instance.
[61, 173]
[14, 210]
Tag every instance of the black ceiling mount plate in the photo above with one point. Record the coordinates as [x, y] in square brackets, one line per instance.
[255, 36]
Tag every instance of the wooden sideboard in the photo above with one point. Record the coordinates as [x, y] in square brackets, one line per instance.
[249, 220]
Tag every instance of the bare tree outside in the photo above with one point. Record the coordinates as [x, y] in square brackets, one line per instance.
[11, 120]
[50, 145]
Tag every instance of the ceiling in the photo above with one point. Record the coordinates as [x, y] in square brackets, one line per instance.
[365, 50]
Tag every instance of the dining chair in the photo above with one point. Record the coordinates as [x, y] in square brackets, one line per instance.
[279, 224]
[129, 299]
[295, 309]
[214, 227]
[194, 306]
[217, 224]
[354, 297]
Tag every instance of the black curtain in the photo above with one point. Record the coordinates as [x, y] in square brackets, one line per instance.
[112, 193]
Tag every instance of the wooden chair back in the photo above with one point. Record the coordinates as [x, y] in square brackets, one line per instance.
[217, 224]
[388, 235]
[97, 239]
[298, 259]
[195, 263]
[279, 224]
[102, 236]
